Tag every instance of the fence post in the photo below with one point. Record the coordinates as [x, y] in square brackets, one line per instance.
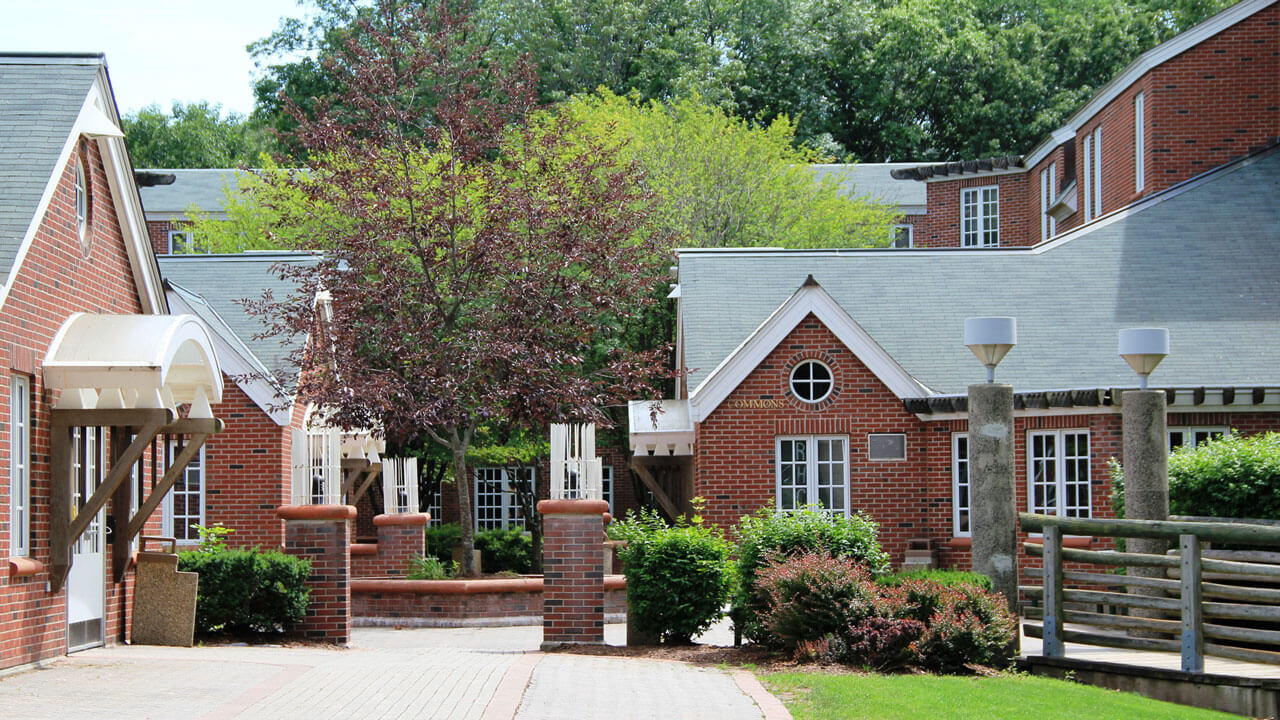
[1051, 640]
[1192, 606]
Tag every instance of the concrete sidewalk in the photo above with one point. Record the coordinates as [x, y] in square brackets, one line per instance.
[481, 673]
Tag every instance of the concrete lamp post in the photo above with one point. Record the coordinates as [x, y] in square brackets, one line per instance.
[1146, 444]
[992, 508]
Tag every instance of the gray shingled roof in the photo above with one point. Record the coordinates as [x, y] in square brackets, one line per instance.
[1202, 259]
[222, 280]
[201, 188]
[40, 99]
[874, 180]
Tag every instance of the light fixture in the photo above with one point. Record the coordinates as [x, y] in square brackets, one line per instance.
[1143, 349]
[990, 339]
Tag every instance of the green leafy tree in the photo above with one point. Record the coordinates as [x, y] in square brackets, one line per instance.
[194, 135]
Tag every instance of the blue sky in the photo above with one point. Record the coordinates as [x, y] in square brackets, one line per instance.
[157, 51]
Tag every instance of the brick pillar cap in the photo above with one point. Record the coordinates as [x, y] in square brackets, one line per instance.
[402, 519]
[573, 507]
[316, 512]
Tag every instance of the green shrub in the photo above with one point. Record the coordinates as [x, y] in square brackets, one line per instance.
[429, 567]
[441, 540]
[771, 532]
[505, 551]
[248, 590]
[1234, 476]
[678, 580]
[964, 625]
[946, 578]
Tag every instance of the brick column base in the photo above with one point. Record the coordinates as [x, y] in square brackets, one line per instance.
[573, 572]
[400, 538]
[322, 534]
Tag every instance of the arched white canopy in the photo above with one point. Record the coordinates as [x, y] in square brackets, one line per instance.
[133, 361]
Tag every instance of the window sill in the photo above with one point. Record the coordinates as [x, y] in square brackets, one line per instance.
[24, 567]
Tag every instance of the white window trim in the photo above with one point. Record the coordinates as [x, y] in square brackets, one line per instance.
[82, 199]
[19, 466]
[606, 485]
[1097, 171]
[956, 507]
[831, 384]
[1048, 194]
[811, 475]
[167, 516]
[1059, 462]
[911, 235]
[979, 237]
[508, 497]
[892, 459]
[190, 236]
[1192, 430]
[1139, 142]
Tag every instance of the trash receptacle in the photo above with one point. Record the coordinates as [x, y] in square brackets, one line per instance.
[164, 600]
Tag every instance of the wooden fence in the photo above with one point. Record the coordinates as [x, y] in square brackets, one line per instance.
[1200, 583]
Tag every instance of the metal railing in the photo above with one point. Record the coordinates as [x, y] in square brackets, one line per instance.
[1200, 584]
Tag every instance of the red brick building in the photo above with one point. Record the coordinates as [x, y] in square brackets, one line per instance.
[95, 365]
[839, 377]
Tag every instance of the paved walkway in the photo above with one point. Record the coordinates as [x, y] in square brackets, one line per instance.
[480, 673]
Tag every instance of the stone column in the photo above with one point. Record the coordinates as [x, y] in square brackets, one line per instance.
[993, 516]
[400, 538]
[322, 534]
[1146, 476]
[573, 572]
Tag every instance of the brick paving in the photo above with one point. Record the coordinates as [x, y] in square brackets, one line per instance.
[482, 673]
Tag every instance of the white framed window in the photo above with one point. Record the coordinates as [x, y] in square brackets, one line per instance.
[980, 217]
[1048, 193]
[497, 504]
[813, 470]
[960, 484]
[884, 447]
[1193, 436]
[606, 485]
[1092, 187]
[184, 505]
[184, 242]
[1058, 473]
[19, 465]
[1139, 142]
[903, 236]
[88, 463]
[433, 506]
[812, 381]
[82, 200]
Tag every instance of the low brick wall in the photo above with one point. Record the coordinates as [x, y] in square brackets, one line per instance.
[463, 603]
[400, 538]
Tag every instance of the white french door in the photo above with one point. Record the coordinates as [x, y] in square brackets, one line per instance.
[86, 583]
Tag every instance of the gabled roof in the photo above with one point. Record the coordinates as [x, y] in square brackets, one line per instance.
[1201, 259]
[876, 181]
[47, 103]
[203, 189]
[211, 287]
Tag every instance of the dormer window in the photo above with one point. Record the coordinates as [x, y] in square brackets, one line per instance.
[980, 217]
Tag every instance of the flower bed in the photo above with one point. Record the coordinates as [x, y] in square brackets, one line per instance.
[380, 602]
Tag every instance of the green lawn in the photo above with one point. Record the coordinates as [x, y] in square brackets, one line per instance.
[817, 696]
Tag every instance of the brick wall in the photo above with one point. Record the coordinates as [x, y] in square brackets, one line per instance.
[573, 571]
[158, 231]
[247, 473]
[941, 226]
[463, 603]
[57, 277]
[400, 538]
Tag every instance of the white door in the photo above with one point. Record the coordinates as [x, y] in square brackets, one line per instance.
[86, 583]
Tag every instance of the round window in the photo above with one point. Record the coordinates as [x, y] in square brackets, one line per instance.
[811, 381]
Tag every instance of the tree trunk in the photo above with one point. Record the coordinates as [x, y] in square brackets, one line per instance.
[458, 446]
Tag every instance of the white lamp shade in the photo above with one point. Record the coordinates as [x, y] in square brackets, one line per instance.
[1144, 348]
[990, 338]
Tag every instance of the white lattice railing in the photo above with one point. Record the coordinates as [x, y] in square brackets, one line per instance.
[575, 469]
[317, 467]
[399, 485]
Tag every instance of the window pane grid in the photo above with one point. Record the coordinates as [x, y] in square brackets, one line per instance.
[960, 475]
[980, 217]
[497, 504]
[19, 466]
[813, 470]
[1060, 473]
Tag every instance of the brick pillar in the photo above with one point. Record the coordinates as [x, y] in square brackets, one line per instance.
[322, 534]
[573, 571]
[400, 538]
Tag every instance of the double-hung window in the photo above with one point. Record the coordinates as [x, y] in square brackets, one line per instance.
[19, 465]
[902, 236]
[1058, 470]
[1193, 436]
[183, 242]
[497, 496]
[1092, 186]
[960, 486]
[1139, 142]
[184, 505]
[1048, 193]
[813, 470]
[980, 217]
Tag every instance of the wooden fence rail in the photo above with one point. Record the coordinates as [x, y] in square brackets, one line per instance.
[1186, 596]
